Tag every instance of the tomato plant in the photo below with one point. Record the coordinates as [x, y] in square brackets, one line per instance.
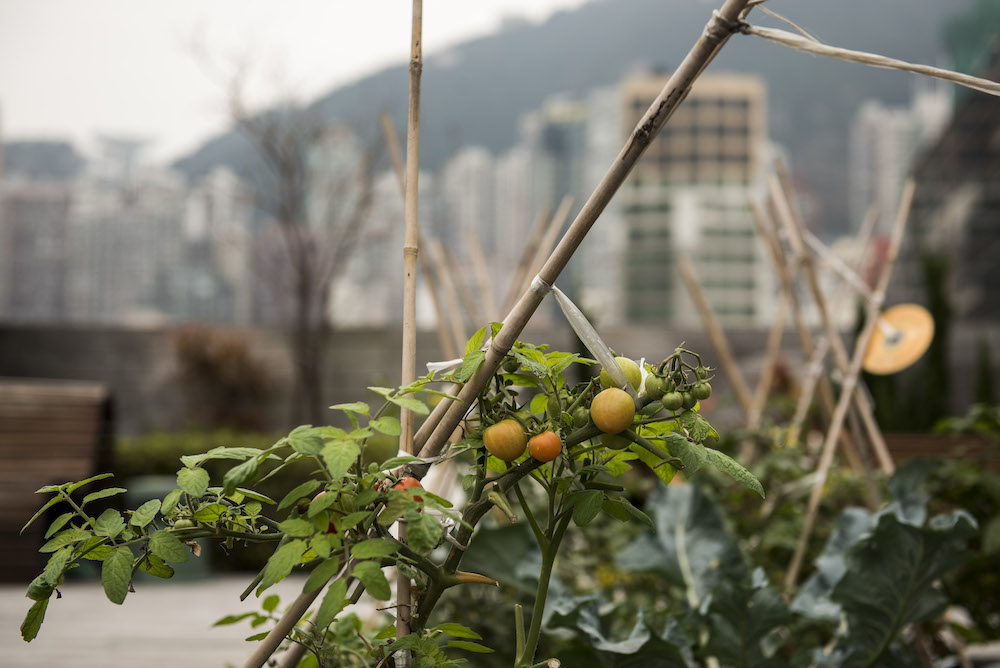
[545, 446]
[612, 410]
[505, 440]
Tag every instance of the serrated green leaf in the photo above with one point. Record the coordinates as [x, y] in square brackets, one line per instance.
[350, 520]
[636, 513]
[168, 547]
[423, 533]
[33, 620]
[693, 455]
[469, 646]
[252, 508]
[306, 440]
[457, 631]
[99, 553]
[476, 341]
[470, 364]
[373, 579]
[321, 574]
[153, 565]
[193, 481]
[64, 538]
[303, 490]
[210, 512]
[354, 407]
[333, 602]
[297, 528]
[387, 632]
[734, 470]
[697, 427]
[586, 506]
[320, 544]
[102, 494]
[237, 453]
[170, 501]
[373, 547]
[145, 513]
[663, 471]
[281, 563]
[411, 404]
[58, 523]
[396, 462]
[56, 564]
[534, 364]
[116, 573]
[339, 456]
[109, 524]
[238, 475]
[387, 425]
[321, 502]
[616, 509]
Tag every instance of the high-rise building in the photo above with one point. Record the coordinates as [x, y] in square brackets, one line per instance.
[689, 194]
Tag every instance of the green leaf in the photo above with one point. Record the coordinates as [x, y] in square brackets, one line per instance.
[77, 485]
[109, 524]
[168, 547]
[636, 513]
[322, 502]
[234, 619]
[321, 574]
[238, 475]
[58, 523]
[354, 407]
[663, 471]
[193, 481]
[697, 427]
[333, 602]
[409, 403]
[373, 547]
[116, 573]
[476, 341]
[734, 470]
[469, 646]
[423, 533]
[387, 425]
[693, 455]
[303, 490]
[64, 538]
[56, 565]
[373, 578]
[210, 512]
[586, 506]
[320, 544]
[270, 603]
[396, 462]
[152, 564]
[350, 520]
[220, 453]
[470, 364]
[281, 563]
[99, 553]
[102, 494]
[457, 631]
[297, 528]
[306, 440]
[33, 620]
[535, 364]
[145, 513]
[48, 504]
[616, 509]
[170, 501]
[339, 456]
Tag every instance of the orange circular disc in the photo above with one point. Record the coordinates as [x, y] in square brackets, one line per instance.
[902, 334]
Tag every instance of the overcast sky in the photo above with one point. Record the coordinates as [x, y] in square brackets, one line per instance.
[73, 68]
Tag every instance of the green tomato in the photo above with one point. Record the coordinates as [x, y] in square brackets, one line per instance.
[689, 400]
[655, 386]
[673, 401]
[701, 391]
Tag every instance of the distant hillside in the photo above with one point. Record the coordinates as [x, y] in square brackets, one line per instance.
[476, 92]
[41, 160]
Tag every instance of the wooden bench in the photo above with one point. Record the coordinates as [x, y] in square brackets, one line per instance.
[51, 431]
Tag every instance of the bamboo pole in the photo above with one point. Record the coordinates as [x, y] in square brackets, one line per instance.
[448, 350]
[717, 32]
[715, 333]
[850, 380]
[410, 251]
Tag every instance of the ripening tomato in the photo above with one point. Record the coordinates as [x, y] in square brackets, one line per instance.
[612, 410]
[505, 440]
[409, 482]
[631, 370]
[545, 446]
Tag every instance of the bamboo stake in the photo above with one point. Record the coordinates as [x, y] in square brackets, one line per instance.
[410, 251]
[794, 226]
[717, 32]
[448, 350]
[850, 380]
[284, 625]
[715, 333]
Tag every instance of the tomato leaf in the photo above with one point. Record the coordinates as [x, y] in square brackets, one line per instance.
[77, 485]
[476, 342]
[353, 407]
[469, 646]
[734, 470]
[697, 427]
[297, 528]
[470, 364]
[387, 425]
[410, 404]
[457, 631]
[616, 509]
[33, 620]
[321, 574]
[694, 455]
[305, 489]
[193, 481]
[281, 563]
[156, 567]
[321, 503]
[145, 513]
[166, 546]
[170, 501]
[587, 506]
[221, 452]
[58, 523]
[423, 533]
[116, 573]
[373, 578]
[109, 524]
[238, 475]
[102, 494]
[333, 602]
[48, 504]
[373, 547]
[305, 440]
[210, 512]
[339, 456]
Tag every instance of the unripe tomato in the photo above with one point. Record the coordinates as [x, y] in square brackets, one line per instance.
[409, 482]
[701, 391]
[655, 386]
[545, 446]
[701, 372]
[631, 370]
[689, 399]
[505, 440]
[672, 401]
[511, 365]
[612, 410]
[614, 441]
[183, 524]
[581, 416]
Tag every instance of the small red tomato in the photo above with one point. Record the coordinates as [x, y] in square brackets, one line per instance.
[408, 482]
[545, 446]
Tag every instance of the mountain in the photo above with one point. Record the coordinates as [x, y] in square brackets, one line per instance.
[475, 92]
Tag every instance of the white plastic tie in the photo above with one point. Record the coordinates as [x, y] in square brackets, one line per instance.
[540, 286]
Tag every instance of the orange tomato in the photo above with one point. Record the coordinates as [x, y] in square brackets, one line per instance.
[545, 446]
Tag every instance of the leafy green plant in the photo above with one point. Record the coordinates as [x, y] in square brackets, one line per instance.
[335, 524]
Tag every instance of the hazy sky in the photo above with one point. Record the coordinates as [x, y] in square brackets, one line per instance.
[73, 68]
